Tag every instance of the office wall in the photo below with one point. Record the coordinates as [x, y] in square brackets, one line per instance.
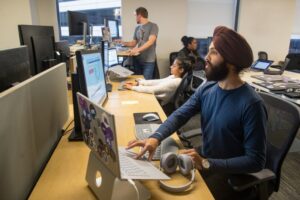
[205, 15]
[47, 15]
[12, 13]
[296, 27]
[267, 25]
[170, 16]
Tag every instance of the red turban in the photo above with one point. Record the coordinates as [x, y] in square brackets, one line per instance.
[233, 47]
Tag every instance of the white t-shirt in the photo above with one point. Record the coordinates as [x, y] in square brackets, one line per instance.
[164, 89]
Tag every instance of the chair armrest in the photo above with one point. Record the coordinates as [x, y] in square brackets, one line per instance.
[192, 133]
[240, 182]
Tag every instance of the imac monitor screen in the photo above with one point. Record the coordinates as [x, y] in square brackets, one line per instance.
[113, 27]
[112, 57]
[91, 75]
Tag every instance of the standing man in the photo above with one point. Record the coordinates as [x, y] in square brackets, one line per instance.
[233, 117]
[144, 43]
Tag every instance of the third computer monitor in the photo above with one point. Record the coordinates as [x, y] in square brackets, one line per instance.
[91, 75]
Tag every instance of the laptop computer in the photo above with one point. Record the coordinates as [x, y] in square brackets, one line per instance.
[261, 65]
[99, 133]
[115, 70]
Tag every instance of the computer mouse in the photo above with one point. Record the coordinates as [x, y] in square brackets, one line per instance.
[150, 117]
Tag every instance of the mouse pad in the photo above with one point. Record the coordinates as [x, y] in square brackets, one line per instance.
[138, 118]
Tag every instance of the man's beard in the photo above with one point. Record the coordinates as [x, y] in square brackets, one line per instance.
[216, 72]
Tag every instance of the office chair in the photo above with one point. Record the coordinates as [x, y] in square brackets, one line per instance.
[63, 55]
[262, 55]
[172, 57]
[180, 96]
[282, 127]
[294, 64]
[190, 134]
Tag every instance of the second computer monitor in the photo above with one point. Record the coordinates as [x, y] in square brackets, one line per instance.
[113, 27]
[91, 75]
[112, 57]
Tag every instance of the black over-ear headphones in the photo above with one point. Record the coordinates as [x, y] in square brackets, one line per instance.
[169, 163]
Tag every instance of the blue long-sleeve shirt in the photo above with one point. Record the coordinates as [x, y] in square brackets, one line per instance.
[233, 125]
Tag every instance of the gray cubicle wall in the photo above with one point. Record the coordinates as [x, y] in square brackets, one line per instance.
[32, 115]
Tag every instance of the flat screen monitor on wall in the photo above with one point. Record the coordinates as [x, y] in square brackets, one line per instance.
[35, 38]
[14, 67]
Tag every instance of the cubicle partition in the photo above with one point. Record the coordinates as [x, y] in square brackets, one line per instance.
[31, 118]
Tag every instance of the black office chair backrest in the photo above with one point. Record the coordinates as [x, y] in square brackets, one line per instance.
[182, 93]
[172, 57]
[262, 55]
[294, 63]
[63, 46]
[282, 127]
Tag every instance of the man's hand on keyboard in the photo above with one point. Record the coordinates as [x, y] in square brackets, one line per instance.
[149, 145]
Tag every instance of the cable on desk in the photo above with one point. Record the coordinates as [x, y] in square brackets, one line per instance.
[67, 131]
[64, 130]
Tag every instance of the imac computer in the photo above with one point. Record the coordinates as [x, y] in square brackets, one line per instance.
[91, 75]
[78, 24]
[90, 81]
[41, 47]
[113, 26]
[14, 67]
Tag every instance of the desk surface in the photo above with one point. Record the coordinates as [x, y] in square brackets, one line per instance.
[246, 76]
[64, 175]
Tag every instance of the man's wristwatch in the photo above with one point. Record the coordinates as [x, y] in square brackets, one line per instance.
[205, 164]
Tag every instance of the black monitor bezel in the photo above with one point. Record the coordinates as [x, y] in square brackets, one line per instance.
[81, 74]
[117, 28]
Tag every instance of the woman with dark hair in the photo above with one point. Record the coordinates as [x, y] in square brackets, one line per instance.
[190, 50]
[165, 88]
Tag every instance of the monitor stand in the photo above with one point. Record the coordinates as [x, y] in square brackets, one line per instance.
[108, 186]
[76, 134]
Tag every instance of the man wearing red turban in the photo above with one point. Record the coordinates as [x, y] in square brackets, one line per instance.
[233, 117]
